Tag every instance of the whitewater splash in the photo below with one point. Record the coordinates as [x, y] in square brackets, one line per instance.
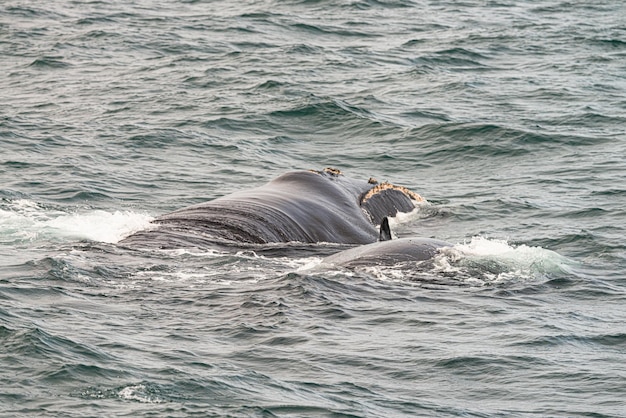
[422, 210]
[23, 220]
[142, 392]
[483, 260]
[478, 262]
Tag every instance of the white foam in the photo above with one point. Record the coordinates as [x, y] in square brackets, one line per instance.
[483, 259]
[308, 264]
[100, 225]
[405, 217]
[204, 253]
[522, 255]
[138, 393]
[25, 220]
[244, 268]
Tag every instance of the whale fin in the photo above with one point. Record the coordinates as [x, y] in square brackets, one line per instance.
[385, 231]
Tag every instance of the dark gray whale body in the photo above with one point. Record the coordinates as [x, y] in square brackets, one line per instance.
[301, 206]
[387, 251]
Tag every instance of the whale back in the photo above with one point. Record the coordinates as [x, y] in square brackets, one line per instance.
[387, 253]
[303, 206]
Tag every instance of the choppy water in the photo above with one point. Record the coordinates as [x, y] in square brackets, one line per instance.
[509, 117]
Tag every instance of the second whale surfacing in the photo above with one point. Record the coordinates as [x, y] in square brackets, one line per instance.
[300, 206]
[387, 251]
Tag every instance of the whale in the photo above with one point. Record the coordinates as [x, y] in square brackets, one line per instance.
[307, 206]
[387, 251]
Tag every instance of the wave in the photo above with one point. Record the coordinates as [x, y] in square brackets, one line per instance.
[38, 344]
[50, 62]
[455, 141]
[456, 59]
[330, 116]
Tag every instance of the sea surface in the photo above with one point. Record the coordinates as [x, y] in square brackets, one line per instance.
[509, 117]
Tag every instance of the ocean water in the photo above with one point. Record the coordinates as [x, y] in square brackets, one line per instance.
[509, 117]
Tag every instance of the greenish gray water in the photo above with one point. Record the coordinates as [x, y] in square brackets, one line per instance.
[507, 116]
